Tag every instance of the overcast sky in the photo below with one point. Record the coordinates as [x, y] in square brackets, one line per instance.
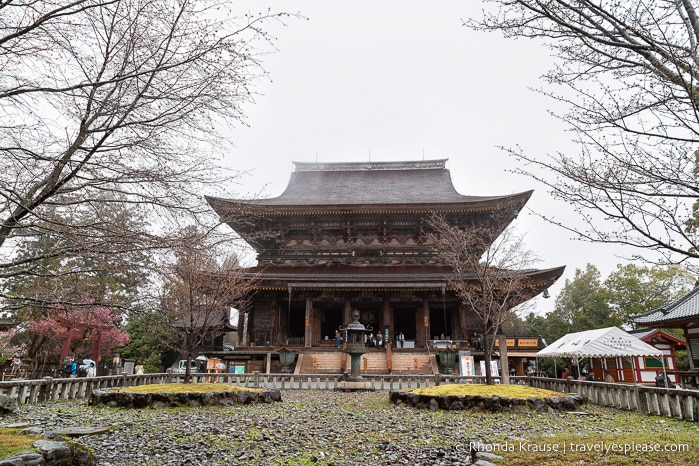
[404, 80]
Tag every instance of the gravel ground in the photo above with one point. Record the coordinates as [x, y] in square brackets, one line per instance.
[310, 427]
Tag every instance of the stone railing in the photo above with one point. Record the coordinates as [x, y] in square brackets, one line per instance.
[668, 402]
[53, 389]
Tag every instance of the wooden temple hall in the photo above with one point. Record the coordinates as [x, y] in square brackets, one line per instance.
[354, 236]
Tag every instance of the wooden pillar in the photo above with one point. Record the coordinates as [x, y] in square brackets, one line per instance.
[690, 354]
[283, 328]
[308, 334]
[347, 313]
[242, 337]
[422, 324]
[274, 324]
[387, 319]
[463, 328]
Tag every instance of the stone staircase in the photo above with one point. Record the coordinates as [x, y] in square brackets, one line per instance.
[374, 362]
[412, 363]
[320, 363]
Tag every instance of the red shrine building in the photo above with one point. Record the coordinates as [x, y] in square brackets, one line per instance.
[355, 236]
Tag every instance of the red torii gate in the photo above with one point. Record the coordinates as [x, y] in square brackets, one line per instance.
[80, 330]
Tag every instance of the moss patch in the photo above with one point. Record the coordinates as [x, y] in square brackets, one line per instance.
[502, 391]
[185, 388]
[12, 442]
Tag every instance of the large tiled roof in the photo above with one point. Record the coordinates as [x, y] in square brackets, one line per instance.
[684, 308]
[436, 274]
[372, 183]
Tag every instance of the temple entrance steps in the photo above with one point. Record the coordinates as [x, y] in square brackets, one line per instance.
[373, 362]
[320, 363]
[406, 363]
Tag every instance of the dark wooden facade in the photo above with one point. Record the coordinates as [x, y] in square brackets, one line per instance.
[348, 236]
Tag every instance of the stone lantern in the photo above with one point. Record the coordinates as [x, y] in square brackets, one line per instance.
[354, 334]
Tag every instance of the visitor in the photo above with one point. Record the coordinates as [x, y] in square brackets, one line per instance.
[608, 377]
[92, 370]
[379, 340]
[401, 340]
[138, 370]
[16, 364]
[338, 339]
[662, 381]
[220, 369]
[590, 377]
[73, 368]
[566, 373]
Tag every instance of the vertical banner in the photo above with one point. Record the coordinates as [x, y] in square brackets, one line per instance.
[494, 370]
[467, 365]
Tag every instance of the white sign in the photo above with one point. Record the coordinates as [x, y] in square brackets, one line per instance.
[467, 365]
[494, 371]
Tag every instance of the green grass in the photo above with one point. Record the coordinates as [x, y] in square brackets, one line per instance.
[12, 442]
[503, 391]
[185, 388]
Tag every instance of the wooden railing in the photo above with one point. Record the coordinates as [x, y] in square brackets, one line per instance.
[669, 402]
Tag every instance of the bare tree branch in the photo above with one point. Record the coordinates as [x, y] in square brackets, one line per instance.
[116, 101]
[488, 274]
[628, 73]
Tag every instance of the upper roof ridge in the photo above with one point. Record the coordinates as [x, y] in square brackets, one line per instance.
[366, 166]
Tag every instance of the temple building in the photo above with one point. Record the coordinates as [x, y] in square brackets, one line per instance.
[355, 236]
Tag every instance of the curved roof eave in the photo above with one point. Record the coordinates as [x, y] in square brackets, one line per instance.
[465, 204]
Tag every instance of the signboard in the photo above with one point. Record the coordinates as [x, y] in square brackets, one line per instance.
[494, 371]
[522, 343]
[467, 365]
[211, 364]
[528, 342]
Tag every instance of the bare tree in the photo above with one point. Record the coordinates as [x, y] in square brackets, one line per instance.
[628, 73]
[491, 283]
[200, 287]
[115, 101]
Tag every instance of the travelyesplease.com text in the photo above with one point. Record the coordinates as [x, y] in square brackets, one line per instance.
[581, 447]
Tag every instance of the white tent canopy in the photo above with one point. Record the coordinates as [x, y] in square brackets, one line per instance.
[598, 343]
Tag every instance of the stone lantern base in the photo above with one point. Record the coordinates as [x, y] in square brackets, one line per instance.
[348, 386]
